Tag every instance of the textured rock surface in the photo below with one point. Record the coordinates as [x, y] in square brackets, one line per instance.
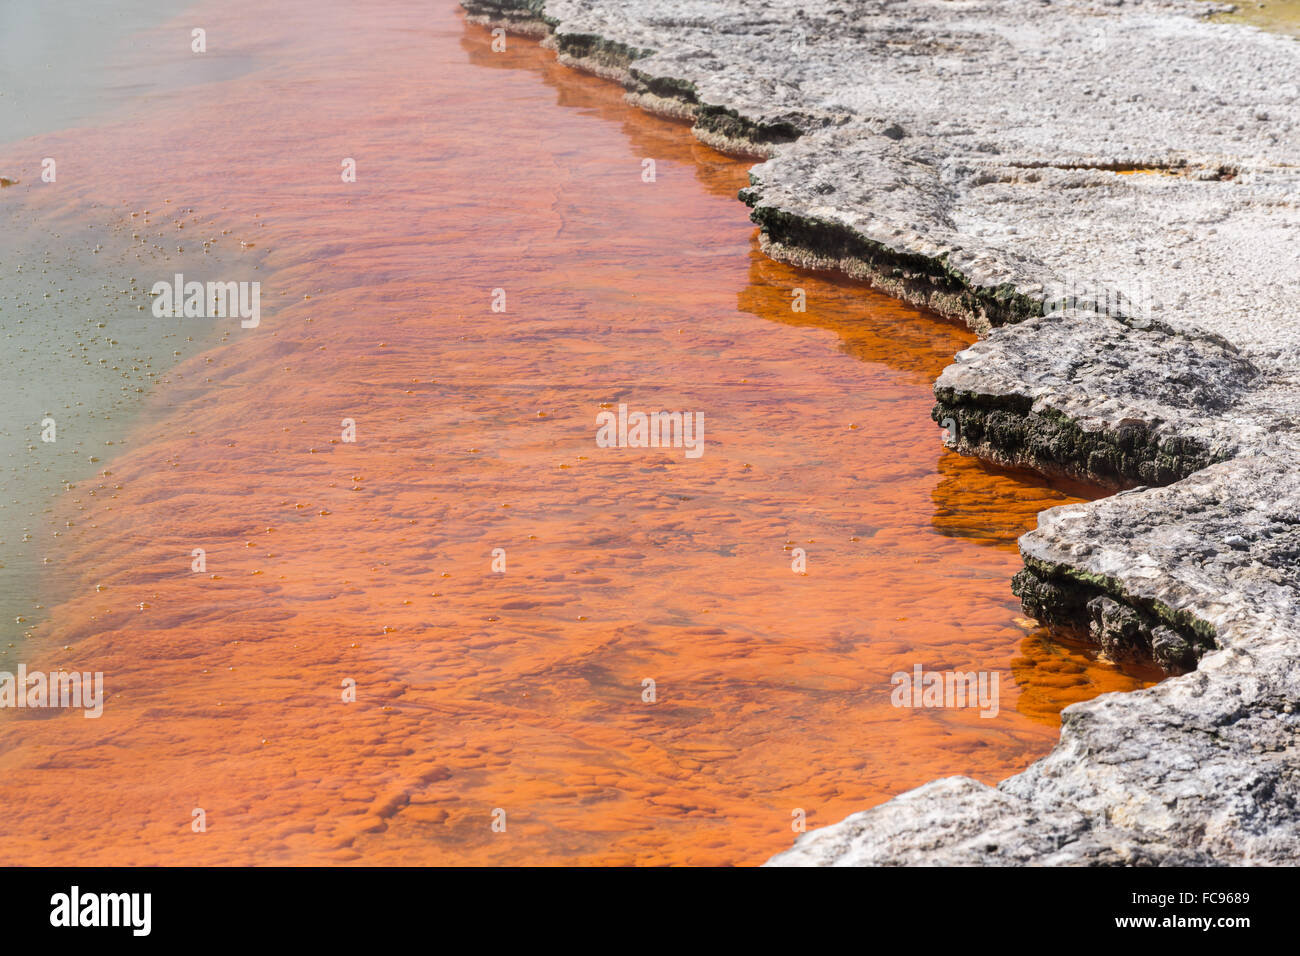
[1108, 193]
[1092, 397]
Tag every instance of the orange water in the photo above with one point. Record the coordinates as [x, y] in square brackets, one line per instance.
[372, 561]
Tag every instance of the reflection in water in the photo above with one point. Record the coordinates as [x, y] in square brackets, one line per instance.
[991, 505]
[971, 500]
[870, 327]
[1054, 672]
[329, 561]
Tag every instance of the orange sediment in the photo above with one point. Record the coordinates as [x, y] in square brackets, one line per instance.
[372, 561]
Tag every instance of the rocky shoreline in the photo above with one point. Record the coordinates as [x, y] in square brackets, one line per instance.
[1107, 193]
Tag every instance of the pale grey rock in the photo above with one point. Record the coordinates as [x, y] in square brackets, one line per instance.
[960, 822]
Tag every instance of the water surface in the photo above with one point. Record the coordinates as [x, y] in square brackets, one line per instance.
[372, 561]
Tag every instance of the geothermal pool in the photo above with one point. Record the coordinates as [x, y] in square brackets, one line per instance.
[362, 583]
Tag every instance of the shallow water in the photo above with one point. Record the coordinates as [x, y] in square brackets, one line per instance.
[1279, 16]
[372, 561]
[64, 62]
